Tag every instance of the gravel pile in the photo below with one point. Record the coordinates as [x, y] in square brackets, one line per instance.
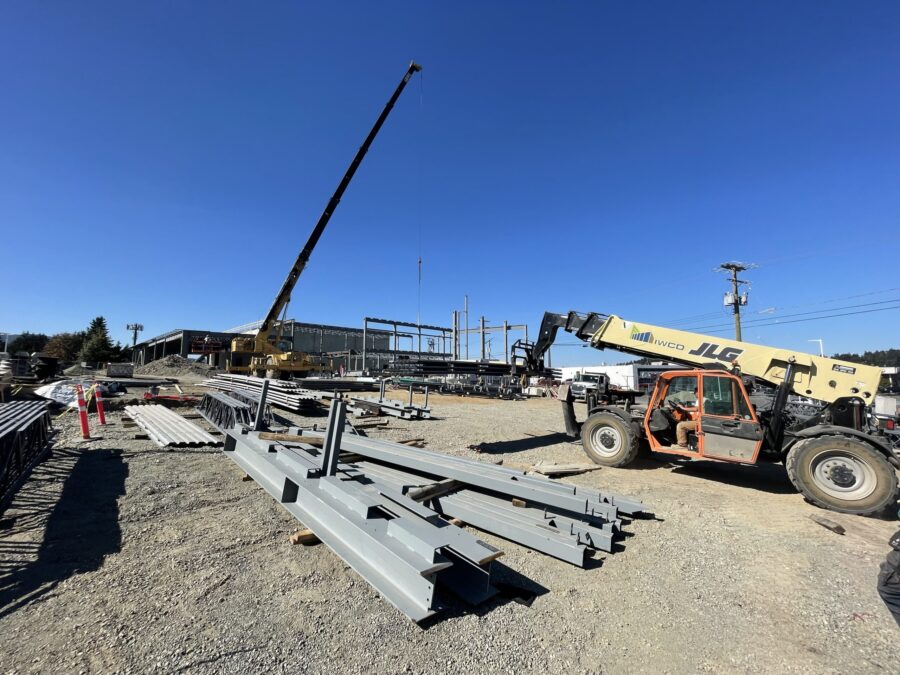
[180, 566]
[175, 366]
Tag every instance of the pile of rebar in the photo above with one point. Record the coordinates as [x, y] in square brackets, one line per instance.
[386, 509]
[24, 439]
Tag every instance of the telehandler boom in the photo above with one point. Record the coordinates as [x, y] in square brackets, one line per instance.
[836, 457]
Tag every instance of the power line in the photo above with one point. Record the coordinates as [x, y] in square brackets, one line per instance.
[693, 318]
[787, 316]
[815, 318]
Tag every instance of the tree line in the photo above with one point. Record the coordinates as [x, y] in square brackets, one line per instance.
[92, 344]
[879, 357]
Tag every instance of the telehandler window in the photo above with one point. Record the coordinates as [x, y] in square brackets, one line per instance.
[718, 396]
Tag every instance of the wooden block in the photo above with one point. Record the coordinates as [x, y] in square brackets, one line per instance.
[433, 490]
[550, 469]
[305, 536]
[827, 523]
[518, 502]
[291, 438]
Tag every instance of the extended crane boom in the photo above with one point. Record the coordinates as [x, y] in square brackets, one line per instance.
[284, 295]
[276, 359]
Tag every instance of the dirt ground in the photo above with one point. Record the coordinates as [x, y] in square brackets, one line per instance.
[117, 556]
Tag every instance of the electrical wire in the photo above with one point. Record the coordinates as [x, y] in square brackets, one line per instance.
[751, 322]
[723, 311]
[814, 318]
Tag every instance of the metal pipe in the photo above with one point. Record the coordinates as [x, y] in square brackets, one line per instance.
[466, 309]
[259, 422]
[482, 338]
[337, 418]
[506, 342]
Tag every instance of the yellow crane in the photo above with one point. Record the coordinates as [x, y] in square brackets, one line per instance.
[836, 456]
[269, 355]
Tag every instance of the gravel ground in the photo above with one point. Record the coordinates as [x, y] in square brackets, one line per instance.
[176, 366]
[121, 557]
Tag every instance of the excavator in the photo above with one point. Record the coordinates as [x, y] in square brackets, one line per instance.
[834, 453]
[266, 355]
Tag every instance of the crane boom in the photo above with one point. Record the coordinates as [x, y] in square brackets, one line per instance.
[296, 270]
[817, 377]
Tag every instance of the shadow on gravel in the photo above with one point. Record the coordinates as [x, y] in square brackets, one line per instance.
[522, 444]
[80, 524]
[763, 477]
[511, 587]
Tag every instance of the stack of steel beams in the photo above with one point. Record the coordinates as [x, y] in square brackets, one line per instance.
[24, 435]
[386, 515]
[169, 429]
[293, 396]
[324, 384]
[429, 367]
[283, 394]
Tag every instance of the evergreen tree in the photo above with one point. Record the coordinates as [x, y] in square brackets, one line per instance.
[28, 342]
[97, 346]
[65, 346]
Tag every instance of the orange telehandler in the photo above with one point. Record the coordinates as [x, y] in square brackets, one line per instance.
[835, 454]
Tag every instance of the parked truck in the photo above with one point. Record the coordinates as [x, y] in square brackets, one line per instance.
[837, 457]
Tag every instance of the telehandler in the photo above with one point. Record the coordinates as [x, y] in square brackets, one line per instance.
[835, 455]
[265, 356]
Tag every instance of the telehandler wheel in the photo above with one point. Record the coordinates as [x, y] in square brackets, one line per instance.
[608, 440]
[842, 474]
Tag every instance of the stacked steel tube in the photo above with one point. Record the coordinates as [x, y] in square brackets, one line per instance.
[283, 394]
[24, 439]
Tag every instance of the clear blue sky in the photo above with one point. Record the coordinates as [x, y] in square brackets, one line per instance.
[163, 162]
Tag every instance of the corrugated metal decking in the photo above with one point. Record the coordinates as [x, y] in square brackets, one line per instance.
[169, 429]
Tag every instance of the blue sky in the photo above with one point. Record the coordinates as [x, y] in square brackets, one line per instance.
[164, 162]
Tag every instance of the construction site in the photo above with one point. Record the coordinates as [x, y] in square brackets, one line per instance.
[524, 489]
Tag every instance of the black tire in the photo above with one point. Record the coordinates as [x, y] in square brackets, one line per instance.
[842, 474]
[609, 440]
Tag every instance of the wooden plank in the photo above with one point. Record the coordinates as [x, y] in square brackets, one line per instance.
[291, 438]
[551, 469]
[305, 536]
[426, 492]
[827, 523]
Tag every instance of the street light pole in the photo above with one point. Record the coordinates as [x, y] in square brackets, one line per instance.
[821, 345]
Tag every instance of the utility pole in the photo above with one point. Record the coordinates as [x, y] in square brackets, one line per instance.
[735, 298]
[466, 310]
[135, 328]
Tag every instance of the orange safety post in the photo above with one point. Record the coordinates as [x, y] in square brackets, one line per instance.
[99, 399]
[82, 411]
